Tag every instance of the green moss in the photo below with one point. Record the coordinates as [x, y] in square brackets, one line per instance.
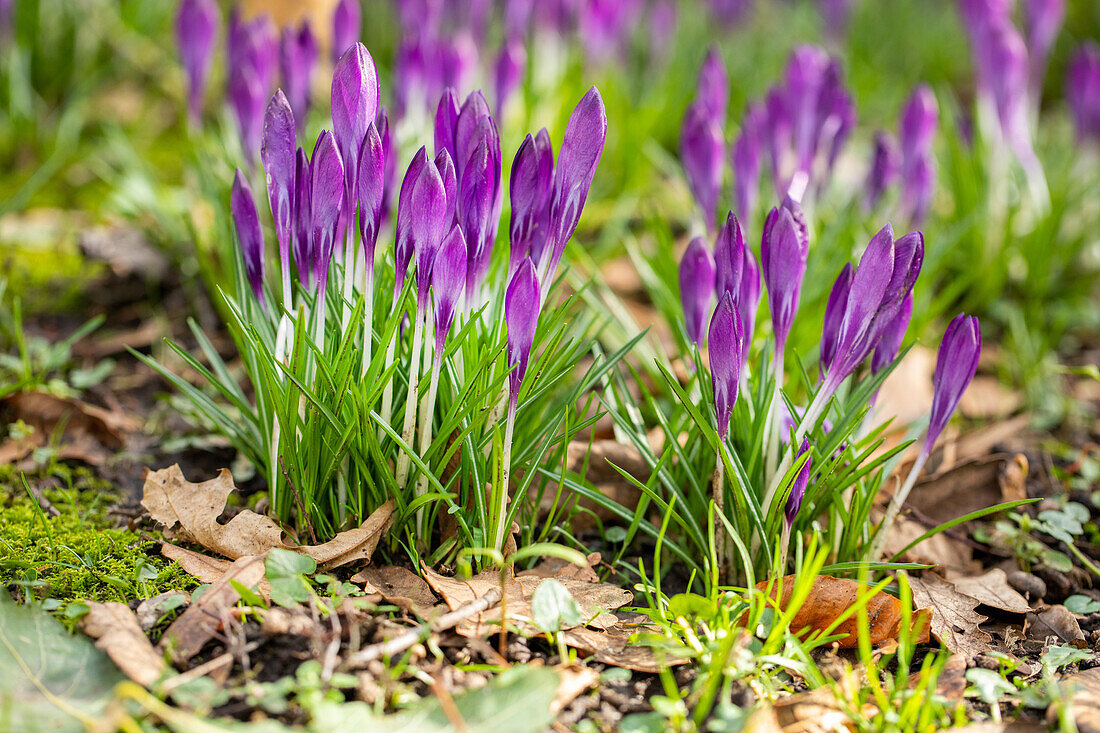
[78, 554]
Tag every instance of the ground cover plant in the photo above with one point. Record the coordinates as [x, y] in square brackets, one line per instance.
[574, 365]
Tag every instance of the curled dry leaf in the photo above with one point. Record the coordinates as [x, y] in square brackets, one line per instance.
[949, 554]
[993, 590]
[197, 625]
[399, 586]
[89, 434]
[830, 597]
[192, 510]
[1058, 623]
[555, 567]
[117, 632]
[968, 487]
[1084, 706]
[574, 680]
[954, 621]
[617, 647]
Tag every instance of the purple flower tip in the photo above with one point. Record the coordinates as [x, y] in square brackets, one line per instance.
[522, 302]
[355, 95]
[956, 365]
[798, 488]
[703, 154]
[696, 287]
[725, 347]
[784, 247]
[249, 234]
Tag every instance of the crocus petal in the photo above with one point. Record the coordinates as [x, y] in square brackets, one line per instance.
[729, 258]
[468, 129]
[297, 57]
[713, 89]
[798, 488]
[508, 72]
[448, 279]
[355, 94]
[725, 343]
[696, 287]
[370, 183]
[834, 314]
[1083, 90]
[326, 201]
[427, 224]
[885, 166]
[403, 243]
[956, 365]
[783, 251]
[703, 154]
[476, 192]
[249, 234]
[303, 219]
[446, 169]
[196, 28]
[522, 302]
[890, 342]
[277, 155]
[346, 22]
[446, 118]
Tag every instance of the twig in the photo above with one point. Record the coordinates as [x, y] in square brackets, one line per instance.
[195, 672]
[406, 640]
[447, 703]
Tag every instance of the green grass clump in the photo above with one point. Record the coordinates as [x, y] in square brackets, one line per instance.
[77, 555]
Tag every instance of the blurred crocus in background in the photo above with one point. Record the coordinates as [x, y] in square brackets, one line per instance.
[885, 167]
[346, 23]
[253, 61]
[197, 24]
[1042, 21]
[1083, 90]
[702, 151]
[297, 57]
[918, 129]
[747, 154]
[697, 272]
[508, 72]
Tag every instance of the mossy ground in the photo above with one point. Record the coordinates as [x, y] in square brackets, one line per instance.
[79, 554]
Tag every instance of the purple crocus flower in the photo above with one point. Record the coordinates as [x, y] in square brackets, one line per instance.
[448, 279]
[956, 365]
[389, 154]
[355, 95]
[918, 127]
[1083, 90]
[529, 187]
[427, 224]
[469, 131]
[885, 166]
[783, 250]
[580, 153]
[446, 119]
[884, 279]
[889, 344]
[748, 296]
[249, 234]
[302, 219]
[729, 258]
[477, 189]
[713, 89]
[370, 183]
[798, 488]
[522, 302]
[747, 153]
[703, 155]
[725, 348]
[834, 314]
[508, 72]
[196, 27]
[696, 287]
[297, 57]
[326, 203]
[403, 242]
[1043, 19]
[253, 61]
[278, 155]
[346, 24]
[446, 168]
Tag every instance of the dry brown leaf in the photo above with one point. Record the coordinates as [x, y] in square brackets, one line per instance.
[88, 433]
[1084, 706]
[813, 710]
[197, 625]
[966, 488]
[993, 590]
[1056, 622]
[574, 681]
[192, 511]
[954, 620]
[399, 586]
[952, 680]
[555, 567]
[613, 646]
[150, 610]
[987, 399]
[950, 555]
[831, 597]
[203, 567]
[117, 632]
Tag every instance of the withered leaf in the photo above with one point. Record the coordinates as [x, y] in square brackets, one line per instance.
[954, 621]
[830, 597]
[1084, 706]
[1056, 622]
[117, 632]
[993, 590]
[574, 681]
[399, 586]
[613, 646]
[192, 510]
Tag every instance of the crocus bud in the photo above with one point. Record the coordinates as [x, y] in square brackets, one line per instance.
[748, 297]
[889, 344]
[355, 94]
[713, 90]
[446, 119]
[403, 242]
[747, 153]
[253, 61]
[918, 188]
[277, 155]
[529, 189]
[835, 13]
[783, 251]
[469, 130]
[522, 302]
[427, 224]
[696, 287]
[725, 345]
[798, 489]
[326, 202]
[370, 183]
[346, 24]
[918, 121]
[1083, 90]
[476, 197]
[703, 154]
[956, 365]
[885, 166]
[580, 154]
[446, 170]
[297, 57]
[834, 314]
[729, 258]
[389, 153]
[249, 234]
[196, 27]
[1043, 19]
[508, 72]
[448, 279]
[303, 218]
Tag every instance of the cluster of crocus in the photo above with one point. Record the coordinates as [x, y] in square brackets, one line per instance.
[1009, 72]
[914, 163]
[196, 27]
[702, 136]
[1083, 90]
[448, 209]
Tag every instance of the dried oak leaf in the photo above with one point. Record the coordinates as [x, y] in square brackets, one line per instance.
[954, 621]
[192, 511]
[1056, 622]
[616, 647]
[205, 568]
[117, 632]
[89, 434]
[993, 590]
[830, 597]
[399, 586]
[197, 625]
[574, 680]
[1084, 706]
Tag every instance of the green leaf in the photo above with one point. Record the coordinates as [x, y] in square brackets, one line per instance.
[554, 607]
[49, 680]
[286, 572]
[1057, 657]
[988, 686]
[517, 701]
[1081, 604]
[1056, 560]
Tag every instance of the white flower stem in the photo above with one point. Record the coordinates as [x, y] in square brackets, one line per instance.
[403, 459]
[813, 412]
[427, 412]
[368, 317]
[721, 540]
[505, 474]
